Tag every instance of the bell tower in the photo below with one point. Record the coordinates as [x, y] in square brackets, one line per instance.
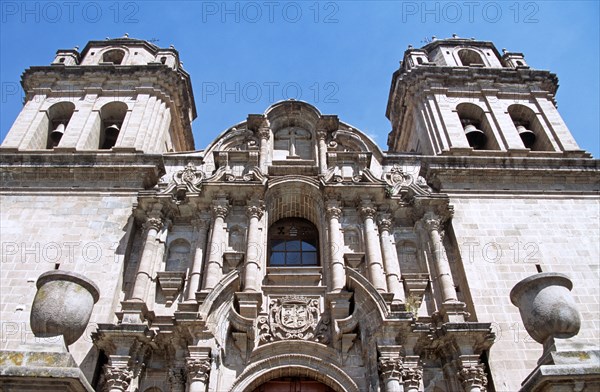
[119, 94]
[462, 97]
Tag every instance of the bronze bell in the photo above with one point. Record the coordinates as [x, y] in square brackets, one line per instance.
[527, 136]
[475, 136]
[57, 134]
[112, 132]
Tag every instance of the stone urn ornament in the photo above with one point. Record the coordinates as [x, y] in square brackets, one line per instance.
[63, 305]
[547, 307]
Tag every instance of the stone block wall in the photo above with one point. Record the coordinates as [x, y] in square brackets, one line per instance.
[504, 239]
[84, 233]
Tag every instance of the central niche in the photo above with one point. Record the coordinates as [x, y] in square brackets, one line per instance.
[293, 143]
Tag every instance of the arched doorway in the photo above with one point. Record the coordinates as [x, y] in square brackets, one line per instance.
[293, 384]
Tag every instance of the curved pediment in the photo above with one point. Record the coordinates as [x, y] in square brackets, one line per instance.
[293, 137]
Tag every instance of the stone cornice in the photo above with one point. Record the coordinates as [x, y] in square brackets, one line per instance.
[81, 170]
[512, 173]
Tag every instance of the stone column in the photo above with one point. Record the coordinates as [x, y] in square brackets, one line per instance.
[153, 225]
[390, 370]
[214, 265]
[442, 266]
[198, 373]
[336, 260]
[176, 377]
[201, 228]
[390, 259]
[376, 274]
[254, 248]
[322, 146]
[117, 374]
[264, 134]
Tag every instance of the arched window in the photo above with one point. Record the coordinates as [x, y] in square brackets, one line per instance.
[470, 58]
[114, 56]
[293, 242]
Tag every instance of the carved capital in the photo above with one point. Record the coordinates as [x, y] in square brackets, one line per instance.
[255, 210]
[385, 222]
[368, 212]
[411, 378]
[334, 212]
[473, 377]
[198, 368]
[154, 222]
[264, 133]
[322, 134]
[117, 377]
[432, 222]
[390, 367]
[220, 210]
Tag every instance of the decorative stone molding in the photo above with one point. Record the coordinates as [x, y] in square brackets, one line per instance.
[117, 378]
[293, 317]
[400, 182]
[171, 283]
[188, 179]
[473, 377]
[294, 365]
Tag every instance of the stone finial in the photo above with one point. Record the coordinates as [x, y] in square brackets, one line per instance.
[454, 36]
[547, 306]
[63, 305]
[126, 35]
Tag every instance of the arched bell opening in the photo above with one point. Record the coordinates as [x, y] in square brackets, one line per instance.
[59, 116]
[470, 58]
[112, 117]
[530, 129]
[476, 127]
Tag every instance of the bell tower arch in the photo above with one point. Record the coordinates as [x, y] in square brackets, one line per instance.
[462, 97]
[120, 94]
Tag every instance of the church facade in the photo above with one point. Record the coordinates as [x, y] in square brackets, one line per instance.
[293, 253]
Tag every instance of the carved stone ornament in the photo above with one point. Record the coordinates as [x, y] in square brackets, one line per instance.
[117, 378]
[390, 367]
[189, 179]
[293, 317]
[411, 378]
[397, 180]
[473, 377]
[198, 368]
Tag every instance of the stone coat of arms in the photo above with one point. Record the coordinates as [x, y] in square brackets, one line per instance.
[292, 317]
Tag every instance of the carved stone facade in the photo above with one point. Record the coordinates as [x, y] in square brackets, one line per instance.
[292, 247]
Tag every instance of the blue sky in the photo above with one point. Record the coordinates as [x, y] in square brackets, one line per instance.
[337, 55]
